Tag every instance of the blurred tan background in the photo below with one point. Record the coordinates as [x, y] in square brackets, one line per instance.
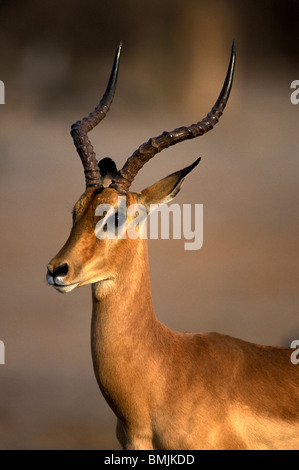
[55, 59]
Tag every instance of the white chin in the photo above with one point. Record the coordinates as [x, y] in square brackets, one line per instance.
[65, 289]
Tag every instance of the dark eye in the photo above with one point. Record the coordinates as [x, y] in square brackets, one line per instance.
[116, 220]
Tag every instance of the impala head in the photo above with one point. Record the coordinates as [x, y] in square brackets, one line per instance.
[87, 258]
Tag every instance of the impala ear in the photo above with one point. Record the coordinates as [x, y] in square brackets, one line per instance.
[166, 189]
[108, 171]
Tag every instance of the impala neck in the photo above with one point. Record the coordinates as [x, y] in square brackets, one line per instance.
[129, 299]
[123, 322]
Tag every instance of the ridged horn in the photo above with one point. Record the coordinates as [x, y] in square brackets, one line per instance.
[80, 129]
[148, 150]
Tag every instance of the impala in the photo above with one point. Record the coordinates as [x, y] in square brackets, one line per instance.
[169, 390]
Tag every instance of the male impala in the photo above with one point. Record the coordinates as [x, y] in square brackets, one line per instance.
[169, 390]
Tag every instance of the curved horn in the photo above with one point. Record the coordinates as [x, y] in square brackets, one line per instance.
[80, 129]
[148, 150]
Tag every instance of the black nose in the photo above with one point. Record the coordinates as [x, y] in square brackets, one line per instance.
[61, 270]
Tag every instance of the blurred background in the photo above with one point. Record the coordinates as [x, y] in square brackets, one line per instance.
[55, 59]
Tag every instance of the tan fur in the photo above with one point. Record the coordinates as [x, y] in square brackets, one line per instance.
[171, 390]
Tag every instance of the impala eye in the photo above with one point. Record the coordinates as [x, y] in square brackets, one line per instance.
[119, 219]
[115, 221]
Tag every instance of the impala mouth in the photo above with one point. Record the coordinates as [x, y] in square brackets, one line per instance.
[60, 285]
[65, 288]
